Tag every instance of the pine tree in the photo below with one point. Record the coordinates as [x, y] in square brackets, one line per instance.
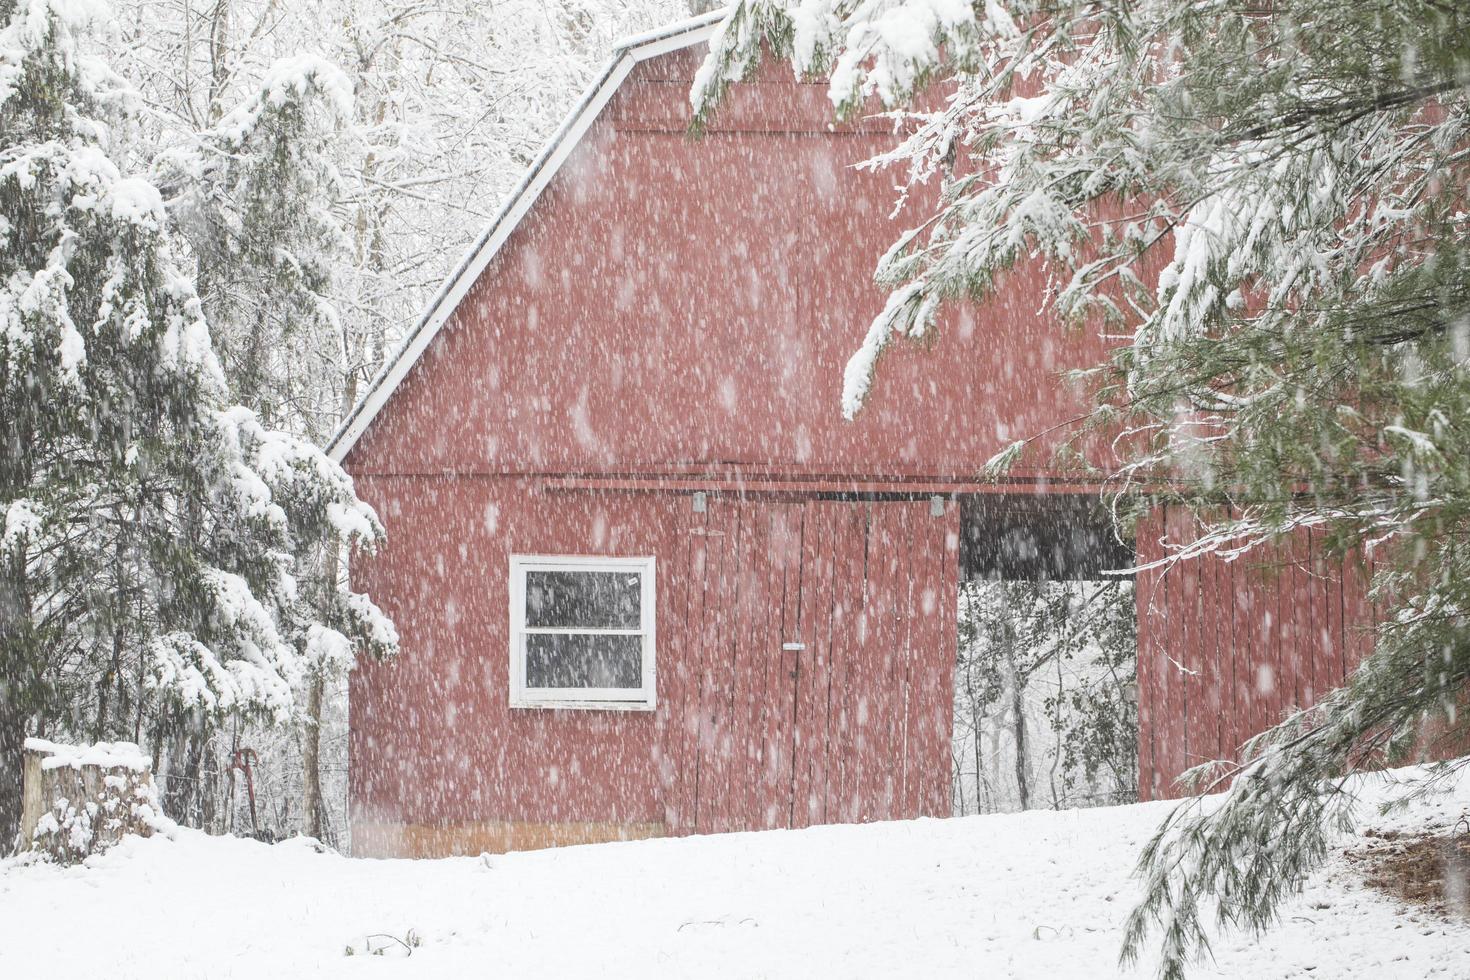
[254, 196]
[1269, 200]
[149, 531]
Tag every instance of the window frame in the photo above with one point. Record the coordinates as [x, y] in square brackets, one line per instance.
[643, 698]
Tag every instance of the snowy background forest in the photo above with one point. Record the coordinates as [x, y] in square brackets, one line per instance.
[420, 118]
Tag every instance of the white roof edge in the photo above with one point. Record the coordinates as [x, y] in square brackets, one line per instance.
[707, 19]
[626, 54]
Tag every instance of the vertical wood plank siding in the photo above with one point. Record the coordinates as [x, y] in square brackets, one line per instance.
[855, 726]
[746, 735]
[1228, 648]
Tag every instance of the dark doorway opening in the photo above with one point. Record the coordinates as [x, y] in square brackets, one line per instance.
[1039, 537]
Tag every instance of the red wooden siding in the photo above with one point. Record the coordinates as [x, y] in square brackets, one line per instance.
[745, 735]
[1228, 648]
[671, 305]
[433, 741]
[675, 315]
[856, 725]
[853, 727]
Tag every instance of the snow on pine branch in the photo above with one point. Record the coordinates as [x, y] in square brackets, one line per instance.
[886, 48]
[40, 24]
[295, 79]
[276, 471]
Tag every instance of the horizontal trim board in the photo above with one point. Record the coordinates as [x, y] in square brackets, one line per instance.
[653, 128]
[569, 704]
[733, 477]
[915, 488]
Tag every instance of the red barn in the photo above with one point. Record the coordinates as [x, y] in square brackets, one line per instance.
[648, 581]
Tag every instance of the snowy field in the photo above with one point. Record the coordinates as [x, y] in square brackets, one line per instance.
[1039, 894]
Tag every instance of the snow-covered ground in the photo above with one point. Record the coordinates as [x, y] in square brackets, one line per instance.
[1038, 894]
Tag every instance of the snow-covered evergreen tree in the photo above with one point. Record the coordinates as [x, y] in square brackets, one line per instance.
[1271, 200]
[256, 197]
[150, 531]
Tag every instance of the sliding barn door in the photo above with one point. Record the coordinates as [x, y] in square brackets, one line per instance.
[814, 661]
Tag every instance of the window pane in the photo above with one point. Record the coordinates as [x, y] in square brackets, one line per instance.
[585, 660]
[590, 600]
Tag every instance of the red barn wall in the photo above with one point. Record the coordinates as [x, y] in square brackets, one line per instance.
[745, 735]
[1228, 648]
[676, 308]
[670, 304]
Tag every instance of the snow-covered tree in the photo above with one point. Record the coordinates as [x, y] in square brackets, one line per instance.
[1045, 705]
[151, 532]
[321, 207]
[451, 101]
[256, 197]
[1269, 201]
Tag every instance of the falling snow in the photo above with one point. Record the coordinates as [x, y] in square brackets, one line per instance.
[649, 464]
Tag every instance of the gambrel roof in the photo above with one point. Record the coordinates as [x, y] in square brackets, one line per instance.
[626, 55]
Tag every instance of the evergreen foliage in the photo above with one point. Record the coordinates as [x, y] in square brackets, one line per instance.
[151, 532]
[255, 196]
[1269, 202]
[322, 175]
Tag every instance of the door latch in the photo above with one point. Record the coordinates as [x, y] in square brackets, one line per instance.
[793, 646]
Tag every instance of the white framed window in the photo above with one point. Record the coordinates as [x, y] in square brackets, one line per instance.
[581, 632]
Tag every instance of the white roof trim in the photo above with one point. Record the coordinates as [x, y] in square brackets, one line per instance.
[626, 54]
[698, 22]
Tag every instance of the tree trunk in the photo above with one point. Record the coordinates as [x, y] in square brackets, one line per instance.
[1018, 706]
[185, 766]
[1058, 731]
[12, 762]
[311, 779]
[19, 687]
[104, 690]
[1018, 711]
[229, 822]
